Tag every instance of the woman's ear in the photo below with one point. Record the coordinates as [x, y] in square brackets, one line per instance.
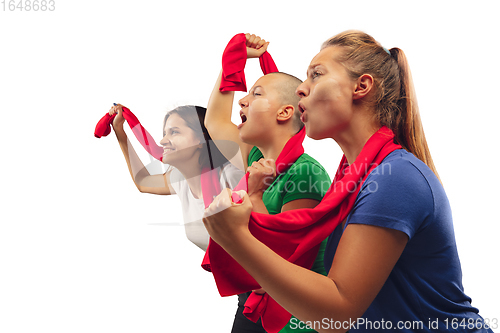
[284, 113]
[364, 85]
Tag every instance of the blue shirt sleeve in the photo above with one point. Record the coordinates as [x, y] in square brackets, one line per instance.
[395, 195]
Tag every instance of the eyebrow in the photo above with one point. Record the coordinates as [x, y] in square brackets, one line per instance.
[312, 66]
[171, 128]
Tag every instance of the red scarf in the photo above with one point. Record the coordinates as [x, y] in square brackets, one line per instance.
[233, 79]
[210, 184]
[234, 59]
[292, 150]
[103, 128]
[299, 232]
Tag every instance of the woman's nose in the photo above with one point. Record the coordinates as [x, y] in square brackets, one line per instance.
[243, 102]
[302, 90]
[165, 140]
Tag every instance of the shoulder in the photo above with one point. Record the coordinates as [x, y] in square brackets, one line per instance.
[398, 194]
[177, 180]
[175, 175]
[254, 155]
[402, 170]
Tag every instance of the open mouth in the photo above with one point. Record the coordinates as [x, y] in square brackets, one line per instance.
[301, 108]
[243, 117]
[168, 150]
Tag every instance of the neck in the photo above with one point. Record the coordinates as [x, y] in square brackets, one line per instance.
[353, 138]
[273, 147]
[193, 178]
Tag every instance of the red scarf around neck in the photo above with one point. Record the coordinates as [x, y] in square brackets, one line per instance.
[292, 150]
[296, 235]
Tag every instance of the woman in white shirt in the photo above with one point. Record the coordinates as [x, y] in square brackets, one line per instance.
[189, 150]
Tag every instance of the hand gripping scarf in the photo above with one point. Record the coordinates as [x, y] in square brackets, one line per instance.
[210, 185]
[296, 235]
[233, 64]
[103, 128]
[233, 79]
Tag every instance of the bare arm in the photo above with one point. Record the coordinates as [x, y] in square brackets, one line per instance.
[143, 180]
[219, 125]
[299, 203]
[364, 259]
[218, 116]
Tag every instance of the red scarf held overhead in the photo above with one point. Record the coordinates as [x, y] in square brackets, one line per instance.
[233, 79]
[296, 235]
[210, 185]
[233, 64]
[103, 128]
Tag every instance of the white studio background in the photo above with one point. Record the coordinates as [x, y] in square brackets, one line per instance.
[81, 250]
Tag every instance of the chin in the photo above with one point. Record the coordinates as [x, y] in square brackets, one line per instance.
[245, 139]
[315, 135]
[167, 159]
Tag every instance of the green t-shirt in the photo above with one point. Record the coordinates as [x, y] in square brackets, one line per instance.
[305, 179]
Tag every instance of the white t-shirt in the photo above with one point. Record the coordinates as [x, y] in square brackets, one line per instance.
[193, 208]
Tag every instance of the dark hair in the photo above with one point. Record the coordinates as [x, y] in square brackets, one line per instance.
[194, 116]
[395, 100]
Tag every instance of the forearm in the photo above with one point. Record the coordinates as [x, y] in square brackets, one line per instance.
[136, 168]
[219, 108]
[308, 296]
[220, 127]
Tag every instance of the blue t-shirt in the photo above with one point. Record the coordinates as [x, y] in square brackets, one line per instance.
[424, 291]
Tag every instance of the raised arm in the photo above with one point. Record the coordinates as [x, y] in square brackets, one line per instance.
[143, 180]
[219, 109]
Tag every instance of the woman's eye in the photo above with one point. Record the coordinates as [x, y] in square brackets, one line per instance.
[315, 74]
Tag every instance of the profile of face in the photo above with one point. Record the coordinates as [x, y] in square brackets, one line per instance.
[181, 146]
[326, 96]
[258, 110]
